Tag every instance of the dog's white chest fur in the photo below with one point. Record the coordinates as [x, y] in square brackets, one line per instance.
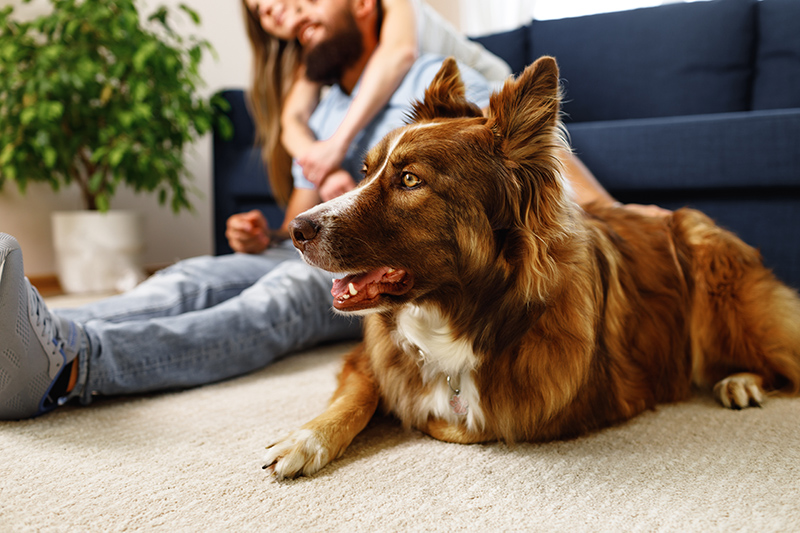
[423, 332]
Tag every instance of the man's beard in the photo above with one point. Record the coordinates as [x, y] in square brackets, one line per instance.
[327, 61]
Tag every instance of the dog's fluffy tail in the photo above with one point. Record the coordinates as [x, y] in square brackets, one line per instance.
[744, 319]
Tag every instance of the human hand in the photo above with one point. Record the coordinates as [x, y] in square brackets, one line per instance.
[648, 210]
[336, 184]
[322, 159]
[248, 232]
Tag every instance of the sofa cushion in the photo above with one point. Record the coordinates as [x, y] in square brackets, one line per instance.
[777, 76]
[512, 46]
[675, 59]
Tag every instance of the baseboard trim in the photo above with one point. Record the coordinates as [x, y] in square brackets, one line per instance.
[46, 284]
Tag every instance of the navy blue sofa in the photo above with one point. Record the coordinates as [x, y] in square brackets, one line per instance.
[692, 104]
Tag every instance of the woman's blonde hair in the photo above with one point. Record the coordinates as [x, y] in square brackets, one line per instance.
[275, 67]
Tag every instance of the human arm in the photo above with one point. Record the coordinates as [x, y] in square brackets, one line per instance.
[300, 103]
[585, 186]
[385, 70]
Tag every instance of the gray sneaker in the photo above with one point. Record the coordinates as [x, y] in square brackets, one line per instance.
[35, 345]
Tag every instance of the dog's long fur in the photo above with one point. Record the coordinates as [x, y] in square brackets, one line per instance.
[548, 320]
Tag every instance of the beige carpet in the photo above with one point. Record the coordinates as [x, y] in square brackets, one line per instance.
[190, 461]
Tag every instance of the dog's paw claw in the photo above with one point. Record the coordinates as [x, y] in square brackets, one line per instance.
[299, 453]
[740, 391]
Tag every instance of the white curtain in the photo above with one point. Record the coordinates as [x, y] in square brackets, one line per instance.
[481, 17]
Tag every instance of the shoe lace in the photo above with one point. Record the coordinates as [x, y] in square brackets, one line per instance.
[42, 321]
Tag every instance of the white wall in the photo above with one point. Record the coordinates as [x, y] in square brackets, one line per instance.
[169, 237]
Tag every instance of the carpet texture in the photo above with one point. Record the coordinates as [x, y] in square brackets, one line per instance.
[190, 461]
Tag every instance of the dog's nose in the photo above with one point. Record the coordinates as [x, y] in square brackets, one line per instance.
[302, 230]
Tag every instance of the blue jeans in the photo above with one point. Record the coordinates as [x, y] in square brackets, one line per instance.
[206, 319]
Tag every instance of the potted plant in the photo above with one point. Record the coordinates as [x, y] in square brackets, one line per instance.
[92, 94]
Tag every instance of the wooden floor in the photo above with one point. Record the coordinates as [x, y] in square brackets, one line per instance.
[46, 285]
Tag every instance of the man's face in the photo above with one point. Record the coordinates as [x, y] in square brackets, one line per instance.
[330, 38]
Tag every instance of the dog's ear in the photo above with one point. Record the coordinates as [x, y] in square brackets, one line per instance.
[524, 113]
[533, 212]
[444, 97]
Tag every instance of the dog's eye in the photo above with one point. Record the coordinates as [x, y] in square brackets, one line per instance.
[410, 180]
[364, 169]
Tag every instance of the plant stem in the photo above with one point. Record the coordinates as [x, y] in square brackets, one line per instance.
[81, 171]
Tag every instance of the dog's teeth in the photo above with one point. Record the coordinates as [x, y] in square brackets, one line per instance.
[346, 297]
[352, 289]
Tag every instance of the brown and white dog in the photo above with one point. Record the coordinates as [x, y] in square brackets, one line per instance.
[497, 309]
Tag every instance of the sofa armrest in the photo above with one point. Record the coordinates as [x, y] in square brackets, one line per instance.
[240, 180]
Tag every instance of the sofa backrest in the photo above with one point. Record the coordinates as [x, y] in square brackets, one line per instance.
[713, 56]
[675, 59]
[777, 72]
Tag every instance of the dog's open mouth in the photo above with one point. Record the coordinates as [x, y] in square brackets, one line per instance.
[354, 292]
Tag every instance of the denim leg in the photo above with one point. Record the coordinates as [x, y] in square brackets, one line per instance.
[286, 310]
[189, 285]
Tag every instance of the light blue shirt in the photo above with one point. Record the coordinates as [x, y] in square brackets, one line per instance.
[333, 107]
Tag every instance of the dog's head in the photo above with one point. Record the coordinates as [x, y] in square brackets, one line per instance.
[451, 204]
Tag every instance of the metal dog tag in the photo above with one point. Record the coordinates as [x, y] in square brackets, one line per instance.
[459, 405]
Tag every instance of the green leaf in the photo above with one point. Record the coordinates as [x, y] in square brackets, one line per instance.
[225, 128]
[10, 172]
[196, 54]
[72, 27]
[54, 110]
[143, 54]
[126, 119]
[99, 154]
[27, 115]
[50, 156]
[116, 155]
[6, 154]
[103, 202]
[142, 111]
[96, 181]
[140, 91]
[191, 12]
[160, 15]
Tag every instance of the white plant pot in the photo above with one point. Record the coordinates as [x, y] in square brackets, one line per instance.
[98, 252]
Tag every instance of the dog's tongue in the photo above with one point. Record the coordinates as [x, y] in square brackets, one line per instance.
[358, 287]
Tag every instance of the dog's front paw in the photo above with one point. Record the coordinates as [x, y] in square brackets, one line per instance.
[301, 452]
[740, 390]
